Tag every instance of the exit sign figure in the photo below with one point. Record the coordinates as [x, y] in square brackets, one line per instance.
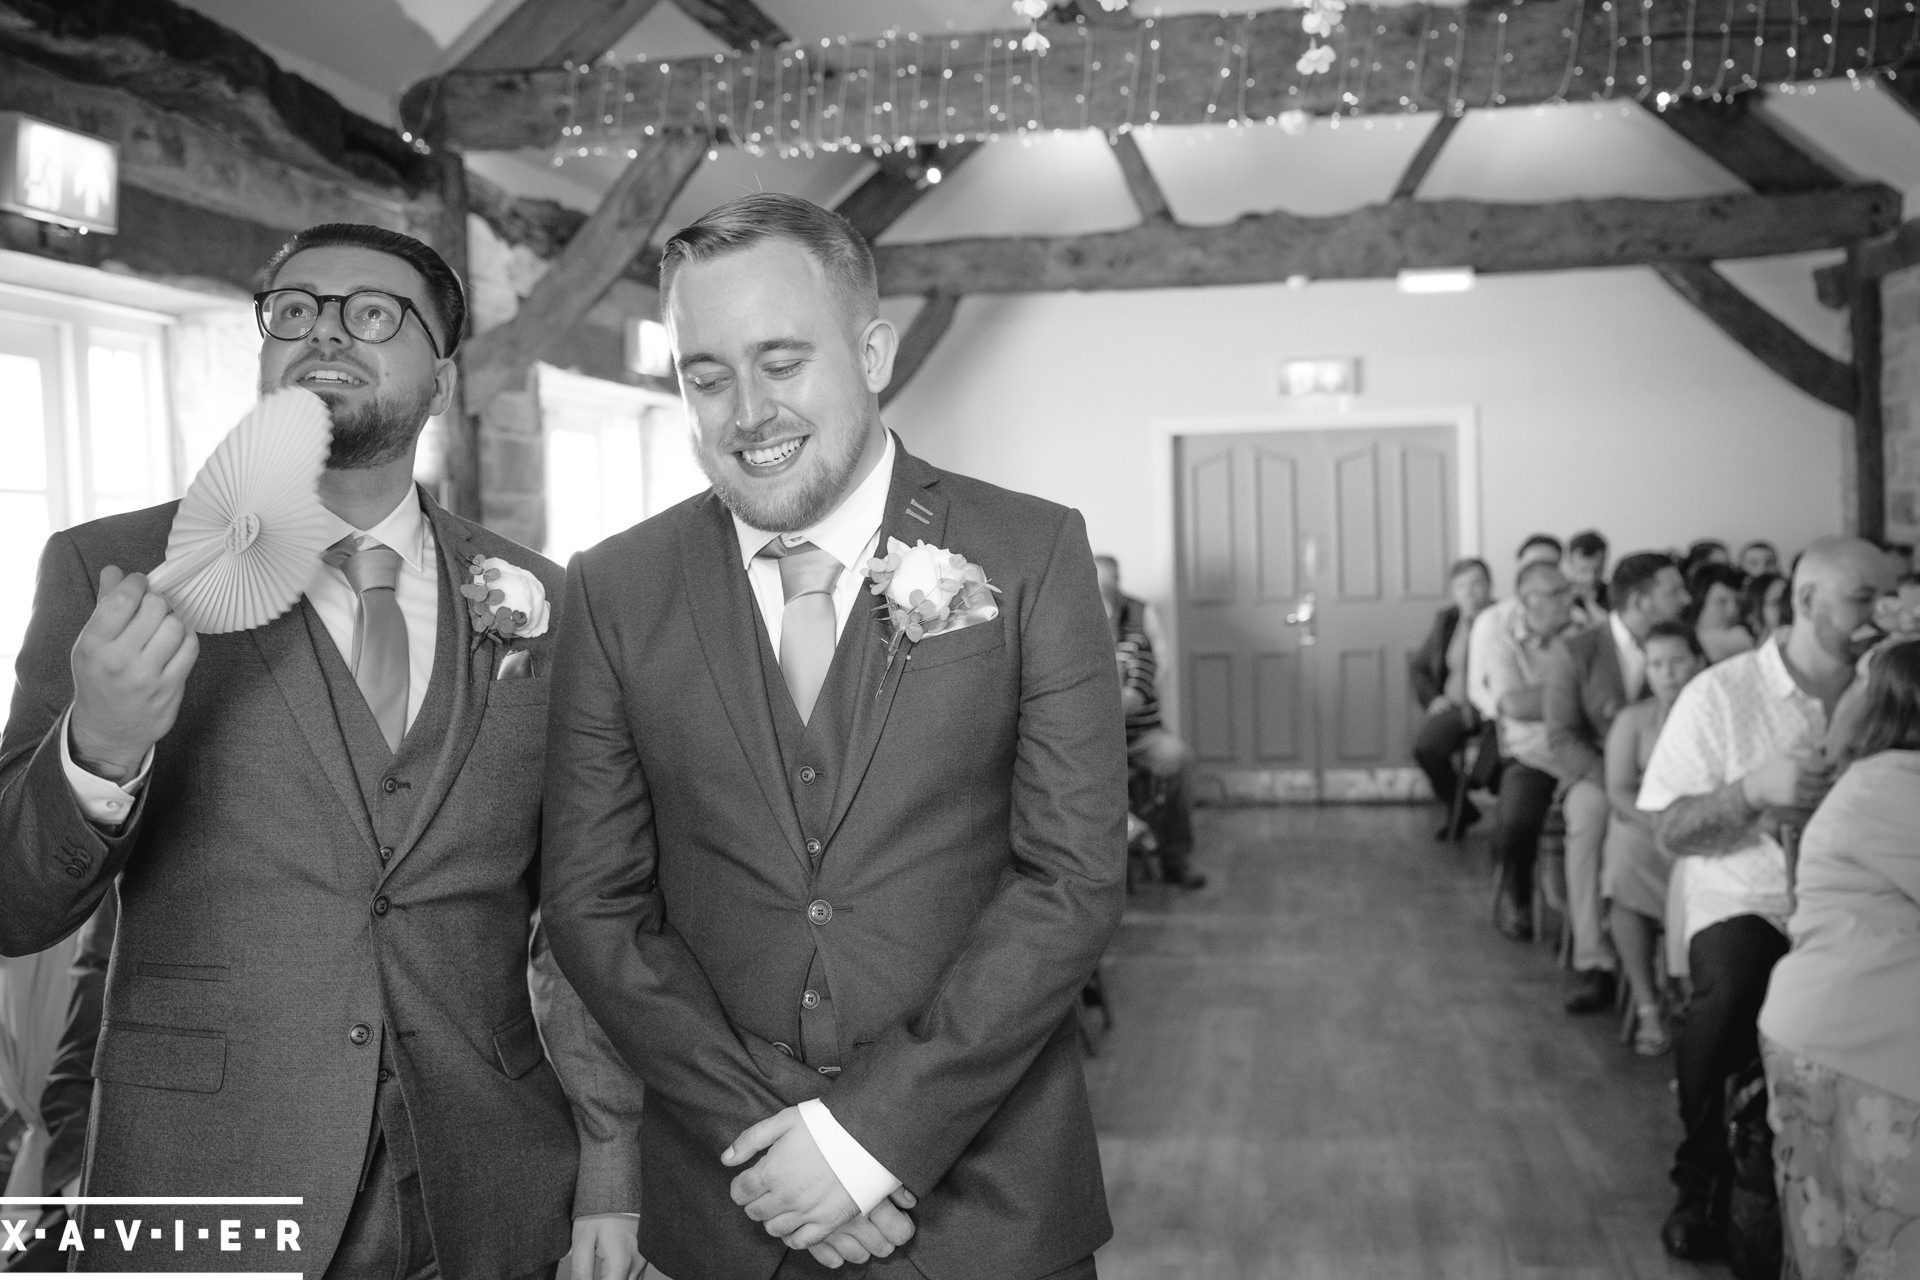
[55, 175]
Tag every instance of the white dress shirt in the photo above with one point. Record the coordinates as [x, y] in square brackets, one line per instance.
[406, 530]
[1633, 658]
[850, 533]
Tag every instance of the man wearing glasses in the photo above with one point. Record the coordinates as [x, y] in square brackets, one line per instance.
[324, 834]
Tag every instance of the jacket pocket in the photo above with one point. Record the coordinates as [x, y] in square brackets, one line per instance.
[517, 1047]
[981, 637]
[161, 1057]
[183, 972]
[520, 691]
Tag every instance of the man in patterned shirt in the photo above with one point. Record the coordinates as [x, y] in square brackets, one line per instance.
[1738, 756]
[1152, 750]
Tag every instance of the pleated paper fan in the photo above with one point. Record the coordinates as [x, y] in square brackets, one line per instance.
[248, 536]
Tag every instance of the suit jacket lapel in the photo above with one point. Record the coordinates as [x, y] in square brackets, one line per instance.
[286, 645]
[916, 512]
[472, 678]
[1613, 678]
[720, 602]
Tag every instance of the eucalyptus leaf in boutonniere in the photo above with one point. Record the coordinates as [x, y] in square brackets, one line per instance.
[506, 604]
[929, 591]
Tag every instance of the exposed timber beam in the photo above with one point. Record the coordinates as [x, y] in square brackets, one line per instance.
[181, 61]
[1765, 337]
[596, 255]
[172, 155]
[1734, 135]
[894, 188]
[1871, 259]
[1381, 240]
[1510, 54]
[924, 332]
[161, 238]
[550, 33]
[1141, 184]
[738, 24]
[1422, 163]
[1869, 427]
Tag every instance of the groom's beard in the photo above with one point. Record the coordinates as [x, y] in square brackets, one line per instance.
[374, 434]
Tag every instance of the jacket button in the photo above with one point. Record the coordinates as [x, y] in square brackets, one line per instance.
[820, 911]
[360, 1034]
[814, 847]
[811, 1000]
[808, 773]
[783, 1047]
[386, 852]
[390, 785]
[384, 1076]
[381, 905]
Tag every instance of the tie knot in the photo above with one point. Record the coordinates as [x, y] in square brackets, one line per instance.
[804, 568]
[369, 565]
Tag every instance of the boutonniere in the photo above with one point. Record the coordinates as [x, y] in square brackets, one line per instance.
[506, 604]
[929, 591]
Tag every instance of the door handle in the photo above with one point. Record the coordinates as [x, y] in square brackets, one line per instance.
[1302, 616]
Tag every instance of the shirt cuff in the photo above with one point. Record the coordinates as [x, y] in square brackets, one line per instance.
[863, 1177]
[105, 803]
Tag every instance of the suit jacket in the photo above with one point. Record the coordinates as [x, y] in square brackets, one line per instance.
[970, 869]
[1583, 691]
[1427, 665]
[266, 936]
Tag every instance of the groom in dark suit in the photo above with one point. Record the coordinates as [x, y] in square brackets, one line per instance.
[831, 890]
[323, 836]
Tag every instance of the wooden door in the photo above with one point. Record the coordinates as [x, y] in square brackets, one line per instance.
[1309, 564]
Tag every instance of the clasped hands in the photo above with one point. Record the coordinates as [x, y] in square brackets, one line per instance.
[794, 1193]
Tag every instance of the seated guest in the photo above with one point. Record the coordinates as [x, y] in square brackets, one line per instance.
[1508, 671]
[1715, 613]
[1742, 743]
[1437, 674]
[1590, 675]
[1152, 752]
[1705, 551]
[1587, 567]
[1758, 557]
[1840, 1029]
[1765, 606]
[1537, 548]
[1633, 868]
[1135, 614]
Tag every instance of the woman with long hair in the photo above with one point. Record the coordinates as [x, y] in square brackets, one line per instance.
[1766, 605]
[1840, 1031]
[1715, 610]
[1633, 868]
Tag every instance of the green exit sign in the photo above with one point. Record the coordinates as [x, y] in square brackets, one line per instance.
[55, 175]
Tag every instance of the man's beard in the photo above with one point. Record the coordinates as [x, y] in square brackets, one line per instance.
[374, 434]
[792, 510]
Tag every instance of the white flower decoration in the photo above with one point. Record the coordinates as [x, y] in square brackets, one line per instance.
[1034, 42]
[1318, 22]
[1294, 122]
[1031, 10]
[1820, 1219]
[1316, 61]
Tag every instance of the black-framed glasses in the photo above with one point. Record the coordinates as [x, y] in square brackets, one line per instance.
[369, 314]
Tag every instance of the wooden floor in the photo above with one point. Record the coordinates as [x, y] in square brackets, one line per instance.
[1326, 1065]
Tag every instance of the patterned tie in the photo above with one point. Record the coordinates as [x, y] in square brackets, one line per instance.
[808, 635]
[379, 659]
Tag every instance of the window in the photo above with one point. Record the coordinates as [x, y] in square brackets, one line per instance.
[85, 431]
[615, 455]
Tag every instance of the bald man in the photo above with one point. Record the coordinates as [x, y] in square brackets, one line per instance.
[1738, 759]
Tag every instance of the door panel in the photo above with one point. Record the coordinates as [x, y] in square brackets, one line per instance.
[1361, 523]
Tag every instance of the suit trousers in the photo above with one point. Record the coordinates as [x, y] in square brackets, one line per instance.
[1526, 797]
[386, 1236]
[1441, 735]
[1159, 755]
[799, 1265]
[1730, 963]
[1587, 813]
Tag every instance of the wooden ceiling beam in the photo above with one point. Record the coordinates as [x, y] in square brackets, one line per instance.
[551, 33]
[738, 24]
[1874, 258]
[595, 256]
[1509, 55]
[1148, 195]
[1734, 135]
[1379, 241]
[924, 331]
[1423, 159]
[1764, 336]
[895, 187]
[1864, 325]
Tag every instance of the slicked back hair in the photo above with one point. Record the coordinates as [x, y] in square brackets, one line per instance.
[770, 215]
[1636, 574]
[446, 300]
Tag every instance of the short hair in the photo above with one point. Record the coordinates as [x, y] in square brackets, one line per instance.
[1467, 564]
[1753, 602]
[1588, 542]
[771, 215]
[1676, 631]
[1699, 553]
[1532, 571]
[445, 296]
[1892, 718]
[1758, 542]
[1540, 540]
[1705, 578]
[1636, 574]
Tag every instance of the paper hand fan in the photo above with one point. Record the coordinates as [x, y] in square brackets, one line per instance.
[248, 536]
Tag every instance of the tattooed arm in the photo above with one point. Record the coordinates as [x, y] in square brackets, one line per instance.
[1718, 822]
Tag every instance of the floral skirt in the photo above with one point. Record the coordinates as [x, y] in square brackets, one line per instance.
[1847, 1164]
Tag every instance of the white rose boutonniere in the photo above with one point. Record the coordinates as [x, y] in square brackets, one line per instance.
[929, 591]
[506, 603]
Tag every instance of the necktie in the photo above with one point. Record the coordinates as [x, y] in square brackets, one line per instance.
[808, 635]
[379, 659]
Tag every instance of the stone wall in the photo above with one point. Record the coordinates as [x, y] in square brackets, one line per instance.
[1900, 400]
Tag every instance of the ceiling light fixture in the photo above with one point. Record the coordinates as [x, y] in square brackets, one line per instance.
[1436, 280]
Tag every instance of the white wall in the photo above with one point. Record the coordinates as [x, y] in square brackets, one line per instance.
[1602, 400]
